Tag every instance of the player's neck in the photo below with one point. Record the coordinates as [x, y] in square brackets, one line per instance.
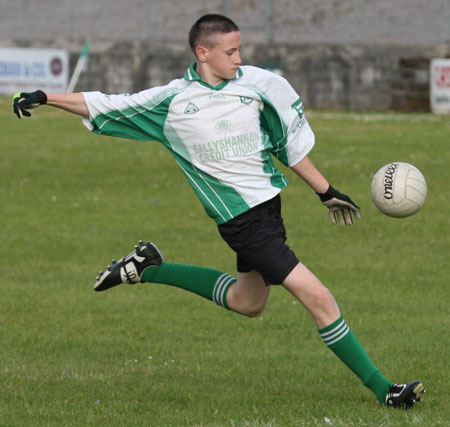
[208, 76]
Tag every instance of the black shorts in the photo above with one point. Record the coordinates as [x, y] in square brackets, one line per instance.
[258, 237]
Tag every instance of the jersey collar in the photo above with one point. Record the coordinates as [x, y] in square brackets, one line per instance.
[191, 75]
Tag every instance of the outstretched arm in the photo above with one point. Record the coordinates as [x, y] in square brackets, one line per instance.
[72, 102]
[340, 206]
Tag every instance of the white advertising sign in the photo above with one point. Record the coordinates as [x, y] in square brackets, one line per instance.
[26, 70]
[440, 86]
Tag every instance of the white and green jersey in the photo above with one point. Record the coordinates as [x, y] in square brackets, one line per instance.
[222, 137]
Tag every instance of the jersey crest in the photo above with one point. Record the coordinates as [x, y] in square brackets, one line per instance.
[246, 100]
[191, 109]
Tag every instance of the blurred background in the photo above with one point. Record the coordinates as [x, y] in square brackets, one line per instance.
[338, 54]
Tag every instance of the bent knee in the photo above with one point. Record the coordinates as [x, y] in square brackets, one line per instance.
[253, 310]
[249, 308]
[248, 300]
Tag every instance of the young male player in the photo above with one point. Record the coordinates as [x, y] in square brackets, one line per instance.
[222, 123]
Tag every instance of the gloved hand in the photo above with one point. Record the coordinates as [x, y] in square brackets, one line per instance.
[23, 101]
[340, 207]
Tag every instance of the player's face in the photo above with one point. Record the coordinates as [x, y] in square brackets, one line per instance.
[224, 58]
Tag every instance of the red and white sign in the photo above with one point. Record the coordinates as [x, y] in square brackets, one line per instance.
[27, 70]
[440, 86]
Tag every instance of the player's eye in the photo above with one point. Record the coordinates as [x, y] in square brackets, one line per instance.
[231, 52]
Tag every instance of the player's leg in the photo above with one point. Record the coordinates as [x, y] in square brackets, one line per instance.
[336, 334]
[246, 295]
[316, 298]
[249, 294]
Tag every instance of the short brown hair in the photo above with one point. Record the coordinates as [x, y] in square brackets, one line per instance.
[208, 25]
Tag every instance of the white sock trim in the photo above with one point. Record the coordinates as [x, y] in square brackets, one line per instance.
[336, 334]
[222, 284]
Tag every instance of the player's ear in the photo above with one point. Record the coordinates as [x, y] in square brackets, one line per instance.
[202, 53]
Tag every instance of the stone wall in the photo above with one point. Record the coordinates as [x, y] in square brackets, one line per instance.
[326, 76]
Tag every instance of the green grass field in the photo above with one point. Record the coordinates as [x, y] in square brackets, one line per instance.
[152, 355]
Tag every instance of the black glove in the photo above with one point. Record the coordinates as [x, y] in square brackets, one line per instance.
[23, 101]
[340, 207]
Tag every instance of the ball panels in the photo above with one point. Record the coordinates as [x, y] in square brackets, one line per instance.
[399, 189]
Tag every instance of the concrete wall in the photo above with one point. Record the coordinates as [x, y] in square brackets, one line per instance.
[406, 22]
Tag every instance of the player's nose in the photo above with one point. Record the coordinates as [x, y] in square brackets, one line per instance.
[237, 58]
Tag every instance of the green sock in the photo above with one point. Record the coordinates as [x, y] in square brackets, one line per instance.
[341, 340]
[206, 282]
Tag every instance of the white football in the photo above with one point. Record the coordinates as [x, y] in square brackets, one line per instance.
[399, 189]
